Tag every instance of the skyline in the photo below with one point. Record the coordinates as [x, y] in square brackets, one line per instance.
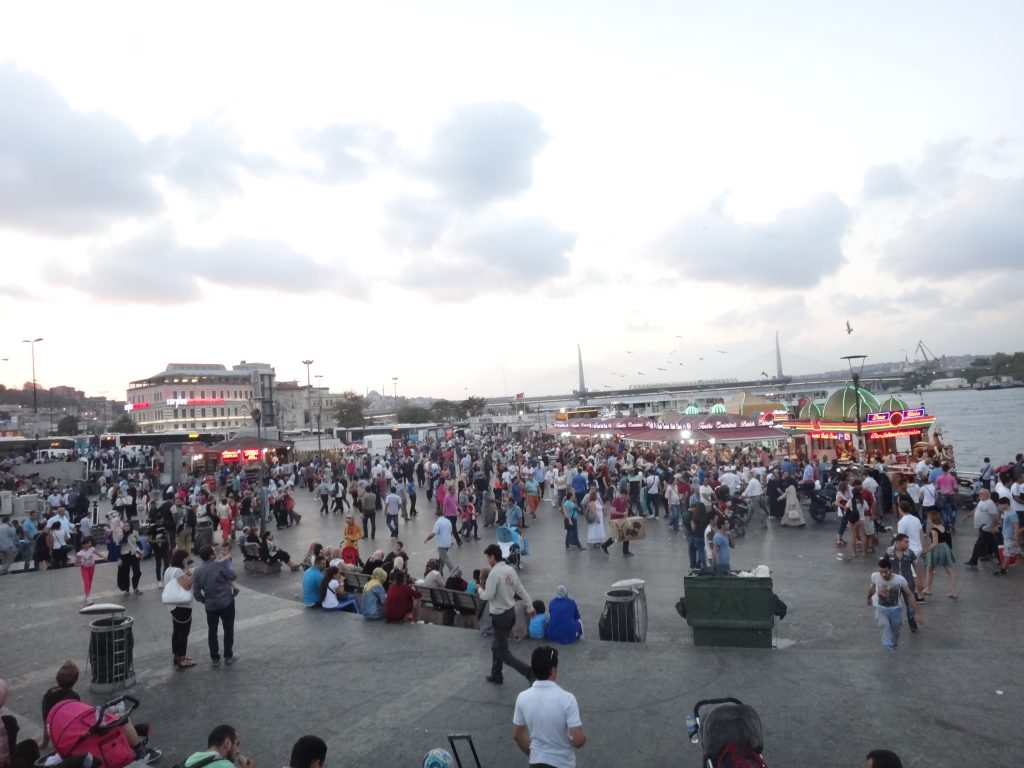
[458, 195]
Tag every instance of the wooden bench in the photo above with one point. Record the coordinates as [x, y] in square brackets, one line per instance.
[354, 581]
[253, 564]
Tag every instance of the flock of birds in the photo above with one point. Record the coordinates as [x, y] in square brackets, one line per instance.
[849, 330]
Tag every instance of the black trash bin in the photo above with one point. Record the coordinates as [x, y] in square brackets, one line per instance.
[111, 649]
[624, 618]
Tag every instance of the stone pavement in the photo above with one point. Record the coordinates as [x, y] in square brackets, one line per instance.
[383, 695]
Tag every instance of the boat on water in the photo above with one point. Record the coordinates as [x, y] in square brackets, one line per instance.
[997, 382]
[944, 385]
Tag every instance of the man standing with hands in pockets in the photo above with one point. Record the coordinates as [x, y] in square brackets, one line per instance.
[503, 586]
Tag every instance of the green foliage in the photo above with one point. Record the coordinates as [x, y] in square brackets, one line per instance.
[67, 426]
[413, 414]
[350, 409]
[125, 425]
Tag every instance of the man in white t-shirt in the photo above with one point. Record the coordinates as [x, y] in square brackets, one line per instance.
[546, 724]
[884, 595]
[443, 532]
[1017, 497]
[986, 523]
[910, 525]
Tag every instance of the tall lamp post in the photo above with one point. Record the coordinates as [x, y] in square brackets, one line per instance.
[309, 393]
[35, 400]
[855, 372]
[257, 417]
[319, 414]
[394, 382]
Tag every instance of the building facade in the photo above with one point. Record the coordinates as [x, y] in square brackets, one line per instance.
[201, 397]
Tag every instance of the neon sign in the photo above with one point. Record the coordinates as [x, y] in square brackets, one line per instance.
[825, 435]
[178, 402]
[229, 455]
[894, 433]
[136, 406]
[251, 454]
[894, 417]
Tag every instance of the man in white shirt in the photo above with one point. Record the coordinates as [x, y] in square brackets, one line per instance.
[546, 724]
[500, 592]
[986, 523]
[730, 480]
[754, 493]
[443, 532]
[910, 525]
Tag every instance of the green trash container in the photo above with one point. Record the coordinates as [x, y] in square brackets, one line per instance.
[730, 610]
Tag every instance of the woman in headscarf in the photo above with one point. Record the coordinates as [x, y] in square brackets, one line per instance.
[374, 596]
[564, 625]
[794, 514]
[13, 752]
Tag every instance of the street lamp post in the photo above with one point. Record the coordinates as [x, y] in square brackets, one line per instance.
[319, 415]
[855, 375]
[35, 401]
[257, 417]
[394, 382]
[309, 392]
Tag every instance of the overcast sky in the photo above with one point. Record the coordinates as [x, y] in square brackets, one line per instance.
[457, 194]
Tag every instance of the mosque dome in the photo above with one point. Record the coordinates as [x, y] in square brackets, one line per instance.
[892, 404]
[841, 404]
[812, 411]
[691, 410]
[718, 408]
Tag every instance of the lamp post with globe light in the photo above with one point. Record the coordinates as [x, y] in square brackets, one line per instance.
[855, 375]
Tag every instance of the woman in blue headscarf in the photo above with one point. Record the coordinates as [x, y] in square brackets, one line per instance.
[564, 625]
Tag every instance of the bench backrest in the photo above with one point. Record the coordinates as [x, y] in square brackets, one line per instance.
[251, 549]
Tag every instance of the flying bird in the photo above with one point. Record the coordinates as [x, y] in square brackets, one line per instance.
[678, 336]
[721, 352]
[849, 330]
[638, 373]
[682, 363]
[663, 369]
[673, 351]
[629, 351]
[700, 358]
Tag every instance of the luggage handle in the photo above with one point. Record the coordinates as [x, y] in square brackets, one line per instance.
[453, 737]
[709, 702]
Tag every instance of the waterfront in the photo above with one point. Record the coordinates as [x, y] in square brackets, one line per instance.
[977, 423]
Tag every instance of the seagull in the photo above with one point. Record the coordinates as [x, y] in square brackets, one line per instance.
[673, 351]
[849, 330]
[678, 336]
[629, 351]
[700, 358]
[683, 363]
[721, 352]
[640, 374]
[663, 369]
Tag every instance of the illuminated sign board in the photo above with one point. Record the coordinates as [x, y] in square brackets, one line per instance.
[230, 455]
[826, 435]
[136, 406]
[894, 433]
[179, 402]
[895, 418]
[251, 454]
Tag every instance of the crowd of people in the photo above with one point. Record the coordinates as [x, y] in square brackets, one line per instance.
[591, 483]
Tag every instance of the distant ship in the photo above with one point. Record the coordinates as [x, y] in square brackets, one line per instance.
[997, 382]
[940, 385]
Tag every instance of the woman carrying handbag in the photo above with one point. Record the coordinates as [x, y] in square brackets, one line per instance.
[177, 596]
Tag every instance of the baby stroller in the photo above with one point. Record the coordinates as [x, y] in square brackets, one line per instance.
[513, 546]
[78, 729]
[729, 733]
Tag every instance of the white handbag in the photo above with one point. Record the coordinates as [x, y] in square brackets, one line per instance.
[175, 594]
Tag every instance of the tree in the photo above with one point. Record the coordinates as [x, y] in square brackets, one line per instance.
[413, 414]
[473, 406]
[349, 409]
[67, 426]
[124, 425]
[444, 410]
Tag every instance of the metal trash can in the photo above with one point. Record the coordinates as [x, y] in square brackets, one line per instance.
[624, 618]
[111, 647]
[204, 536]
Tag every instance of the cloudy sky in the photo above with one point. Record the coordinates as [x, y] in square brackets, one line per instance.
[457, 193]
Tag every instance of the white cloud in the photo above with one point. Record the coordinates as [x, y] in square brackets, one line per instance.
[64, 172]
[348, 152]
[484, 153]
[796, 249]
[495, 256]
[125, 272]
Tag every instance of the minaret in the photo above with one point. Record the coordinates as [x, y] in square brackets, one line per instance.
[778, 357]
[583, 384]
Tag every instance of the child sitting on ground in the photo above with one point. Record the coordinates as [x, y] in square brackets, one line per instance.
[539, 623]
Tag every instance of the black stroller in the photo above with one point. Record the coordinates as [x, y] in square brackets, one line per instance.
[730, 734]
